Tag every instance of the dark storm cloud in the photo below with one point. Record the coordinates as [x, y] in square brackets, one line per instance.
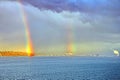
[105, 7]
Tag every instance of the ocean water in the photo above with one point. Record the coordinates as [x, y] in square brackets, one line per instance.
[60, 68]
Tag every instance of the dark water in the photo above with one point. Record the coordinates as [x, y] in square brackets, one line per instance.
[60, 68]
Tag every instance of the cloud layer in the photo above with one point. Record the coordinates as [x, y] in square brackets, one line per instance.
[105, 7]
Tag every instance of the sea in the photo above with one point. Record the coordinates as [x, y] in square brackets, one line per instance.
[60, 68]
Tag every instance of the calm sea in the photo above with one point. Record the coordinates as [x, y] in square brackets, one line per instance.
[60, 68]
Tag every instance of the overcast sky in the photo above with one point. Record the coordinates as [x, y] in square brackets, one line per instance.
[94, 25]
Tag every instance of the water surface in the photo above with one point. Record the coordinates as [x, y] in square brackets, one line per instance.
[60, 68]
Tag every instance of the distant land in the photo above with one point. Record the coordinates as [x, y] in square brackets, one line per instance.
[13, 53]
[20, 53]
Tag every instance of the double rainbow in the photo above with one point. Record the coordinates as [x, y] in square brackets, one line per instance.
[29, 47]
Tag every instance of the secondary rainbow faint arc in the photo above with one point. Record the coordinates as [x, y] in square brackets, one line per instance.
[70, 43]
[29, 47]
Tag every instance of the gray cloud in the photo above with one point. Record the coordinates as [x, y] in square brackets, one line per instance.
[11, 25]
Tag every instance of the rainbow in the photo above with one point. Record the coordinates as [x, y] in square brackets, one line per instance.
[29, 47]
[70, 43]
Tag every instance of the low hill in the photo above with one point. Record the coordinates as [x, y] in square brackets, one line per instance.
[12, 53]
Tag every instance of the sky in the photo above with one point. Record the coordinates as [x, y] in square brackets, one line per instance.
[88, 26]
